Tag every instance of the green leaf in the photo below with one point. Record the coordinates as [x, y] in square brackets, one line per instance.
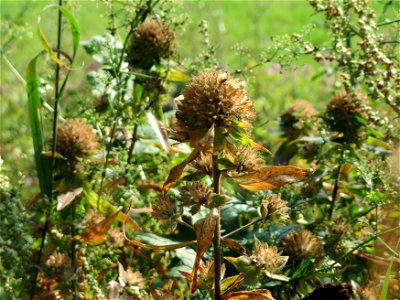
[385, 286]
[35, 120]
[74, 33]
[177, 76]
[241, 263]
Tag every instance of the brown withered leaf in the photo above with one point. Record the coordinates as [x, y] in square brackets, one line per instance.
[259, 147]
[65, 197]
[270, 177]
[204, 229]
[249, 295]
[235, 246]
[176, 172]
[96, 234]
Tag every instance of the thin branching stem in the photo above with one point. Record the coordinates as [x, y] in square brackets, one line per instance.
[242, 227]
[336, 186]
[53, 150]
[217, 233]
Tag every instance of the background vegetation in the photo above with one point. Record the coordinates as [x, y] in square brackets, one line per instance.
[340, 238]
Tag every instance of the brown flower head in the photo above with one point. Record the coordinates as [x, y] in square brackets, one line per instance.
[267, 257]
[368, 292]
[301, 244]
[151, 41]
[295, 120]
[309, 151]
[194, 195]
[116, 237]
[343, 114]
[58, 260]
[165, 210]
[75, 139]
[203, 163]
[212, 98]
[340, 227]
[273, 207]
[246, 158]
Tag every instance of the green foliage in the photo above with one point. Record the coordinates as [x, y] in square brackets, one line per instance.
[141, 214]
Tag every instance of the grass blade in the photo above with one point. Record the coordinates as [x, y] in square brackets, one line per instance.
[35, 120]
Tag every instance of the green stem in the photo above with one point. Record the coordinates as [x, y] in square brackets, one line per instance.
[217, 233]
[53, 150]
[242, 228]
[336, 186]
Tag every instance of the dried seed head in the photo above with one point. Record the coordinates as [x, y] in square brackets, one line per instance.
[368, 292]
[101, 104]
[204, 163]
[164, 210]
[295, 120]
[246, 158]
[273, 207]
[58, 260]
[301, 244]
[340, 227]
[212, 98]
[194, 195]
[151, 41]
[342, 115]
[116, 237]
[92, 218]
[268, 258]
[75, 139]
[133, 279]
[309, 151]
[207, 271]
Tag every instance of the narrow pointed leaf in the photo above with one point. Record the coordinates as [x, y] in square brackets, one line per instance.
[74, 34]
[204, 234]
[35, 120]
[96, 234]
[177, 171]
[270, 177]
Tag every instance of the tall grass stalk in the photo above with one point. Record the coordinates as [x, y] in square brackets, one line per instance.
[53, 150]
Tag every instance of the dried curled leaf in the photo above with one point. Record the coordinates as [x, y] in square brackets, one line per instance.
[204, 233]
[249, 295]
[66, 197]
[176, 172]
[96, 234]
[270, 177]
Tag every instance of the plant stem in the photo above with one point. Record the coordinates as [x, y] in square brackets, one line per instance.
[217, 233]
[336, 186]
[242, 228]
[53, 150]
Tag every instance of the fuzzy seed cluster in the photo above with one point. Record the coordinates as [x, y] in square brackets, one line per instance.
[151, 41]
[213, 98]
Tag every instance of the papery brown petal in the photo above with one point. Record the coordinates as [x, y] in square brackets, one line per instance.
[96, 234]
[270, 177]
[66, 197]
[249, 295]
[204, 229]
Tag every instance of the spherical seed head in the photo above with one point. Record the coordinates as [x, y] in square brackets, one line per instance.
[295, 119]
[342, 113]
[204, 163]
[268, 258]
[246, 158]
[164, 209]
[75, 139]
[195, 194]
[213, 98]
[275, 208]
[301, 244]
[151, 41]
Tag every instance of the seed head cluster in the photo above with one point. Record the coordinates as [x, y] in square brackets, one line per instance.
[213, 98]
[194, 195]
[341, 116]
[151, 41]
[75, 139]
[295, 120]
[245, 158]
[301, 244]
[268, 258]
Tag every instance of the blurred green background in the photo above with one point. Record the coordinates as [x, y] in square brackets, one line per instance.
[238, 30]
